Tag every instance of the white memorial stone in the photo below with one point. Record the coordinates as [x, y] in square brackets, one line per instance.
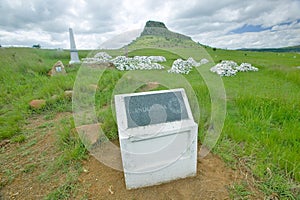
[158, 137]
[73, 50]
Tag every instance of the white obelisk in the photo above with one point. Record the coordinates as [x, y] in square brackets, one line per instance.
[73, 50]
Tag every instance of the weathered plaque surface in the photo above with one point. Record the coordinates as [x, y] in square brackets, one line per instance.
[150, 109]
[158, 137]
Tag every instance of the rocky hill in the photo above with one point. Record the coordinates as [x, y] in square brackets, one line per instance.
[157, 35]
[160, 29]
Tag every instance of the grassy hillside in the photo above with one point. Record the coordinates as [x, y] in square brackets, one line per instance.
[149, 41]
[23, 77]
[262, 124]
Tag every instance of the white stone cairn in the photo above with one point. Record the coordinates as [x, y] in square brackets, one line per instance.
[157, 59]
[180, 66]
[100, 57]
[203, 61]
[103, 55]
[230, 68]
[246, 67]
[124, 63]
[136, 63]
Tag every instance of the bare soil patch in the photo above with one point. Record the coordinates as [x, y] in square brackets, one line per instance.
[214, 180]
[22, 167]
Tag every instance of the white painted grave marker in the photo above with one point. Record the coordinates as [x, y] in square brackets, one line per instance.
[158, 137]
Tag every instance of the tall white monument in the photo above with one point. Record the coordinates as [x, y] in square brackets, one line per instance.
[73, 50]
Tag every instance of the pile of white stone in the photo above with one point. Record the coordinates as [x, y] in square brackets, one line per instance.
[246, 67]
[144, 62]
[180, 66]
[138, 62]
[185, 66]
[124, 63]
[203, 61]
[230, 68]
[99, 58]
[157, 58]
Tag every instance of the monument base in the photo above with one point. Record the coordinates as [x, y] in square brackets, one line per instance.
[74, 58]
[167, 156]
[74, 62]
[183, 168]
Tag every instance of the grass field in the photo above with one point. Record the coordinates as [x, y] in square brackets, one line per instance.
[262, 124]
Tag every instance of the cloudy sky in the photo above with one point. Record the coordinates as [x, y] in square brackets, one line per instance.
[225, 24]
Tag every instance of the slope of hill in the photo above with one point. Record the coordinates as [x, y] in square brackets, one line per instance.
[157, 35]
[284, 49]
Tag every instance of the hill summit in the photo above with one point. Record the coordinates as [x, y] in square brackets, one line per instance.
[159, 29]
[155, 24]
[156, 35]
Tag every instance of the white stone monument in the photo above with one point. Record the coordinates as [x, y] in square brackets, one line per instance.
[73, 50]
[158, 137]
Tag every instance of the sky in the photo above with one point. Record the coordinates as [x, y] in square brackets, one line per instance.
[229, 24]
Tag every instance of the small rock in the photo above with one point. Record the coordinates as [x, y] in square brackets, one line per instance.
[68, 93]
[54, 97]
[269, 172]
[204, 61]
[58, 68]
[14, 195]
[273, 196]
[111, 65]
[153, 85]
[93, 86]
[37, 103]
[110, 190]
[3, 143]
[204, 150]
[85, 170]
[89, 132]
[150, 86]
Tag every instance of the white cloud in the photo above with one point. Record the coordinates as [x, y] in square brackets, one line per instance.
[264, 39]
[94, 22]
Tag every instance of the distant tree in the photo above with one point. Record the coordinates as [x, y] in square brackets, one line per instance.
[38, 46]
[14, 55]
[0, 45]
[214, 49]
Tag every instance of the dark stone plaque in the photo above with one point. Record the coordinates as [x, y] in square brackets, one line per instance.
[143, 110]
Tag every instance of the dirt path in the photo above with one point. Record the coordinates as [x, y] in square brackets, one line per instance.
[25, 164]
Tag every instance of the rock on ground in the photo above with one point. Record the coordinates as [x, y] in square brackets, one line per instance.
[37, 103]
[58, 68]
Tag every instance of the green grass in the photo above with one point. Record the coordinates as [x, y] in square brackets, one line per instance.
[263, 114]
[239, 191]
[262, 124]
[72, 148]
[67, 163]
[149, 41]
[18, 138]
[64, 191]
[22, 79]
